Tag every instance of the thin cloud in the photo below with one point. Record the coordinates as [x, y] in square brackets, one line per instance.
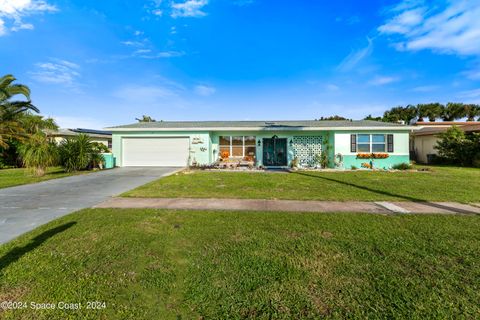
[355, 57]
[332, 87]
[160, 54]
[382, 80]
[470, 93]
[425, 88]
[204, 90]
[453, 28]
[57, 72]
[12, 14]
[189, 8]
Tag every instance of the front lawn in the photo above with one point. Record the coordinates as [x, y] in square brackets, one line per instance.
[19, 176]
[441, 184]
[159, 264]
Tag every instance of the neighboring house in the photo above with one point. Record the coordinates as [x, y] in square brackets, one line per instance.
[99, 136]
[424, 140]
[264, 143]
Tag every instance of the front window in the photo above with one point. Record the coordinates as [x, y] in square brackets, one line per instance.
[378, 143]
[363, 142]
[237, 147]
[371, 143]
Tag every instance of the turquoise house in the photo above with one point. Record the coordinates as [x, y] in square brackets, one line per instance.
[261, 143]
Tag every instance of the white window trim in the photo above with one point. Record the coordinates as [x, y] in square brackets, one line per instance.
[371, 143]
[231, 145]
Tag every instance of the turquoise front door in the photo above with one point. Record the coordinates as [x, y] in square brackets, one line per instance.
[274, 152]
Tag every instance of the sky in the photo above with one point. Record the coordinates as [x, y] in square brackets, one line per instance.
[94, 64]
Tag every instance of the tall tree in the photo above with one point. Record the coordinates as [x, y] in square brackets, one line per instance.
[432, 111]
[396, 114]
[472, 111]
[453, 111]
[10, 127]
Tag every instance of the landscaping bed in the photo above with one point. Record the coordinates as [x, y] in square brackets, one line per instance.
[159, 264]
[437, 184]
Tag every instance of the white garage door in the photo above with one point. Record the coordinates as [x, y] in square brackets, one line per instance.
[151, 152]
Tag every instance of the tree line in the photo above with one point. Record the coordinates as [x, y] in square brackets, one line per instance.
[432, 111]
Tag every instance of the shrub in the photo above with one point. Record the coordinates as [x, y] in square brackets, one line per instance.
[459, 148]
[38, 153]
[402, 166]
[354, 167]
[79, 153]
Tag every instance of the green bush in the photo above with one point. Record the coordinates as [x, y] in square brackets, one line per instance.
[402, 166]
[458, 147]
[38, 153]
[80, 153]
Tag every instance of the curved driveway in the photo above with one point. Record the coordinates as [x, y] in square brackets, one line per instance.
[23, 208]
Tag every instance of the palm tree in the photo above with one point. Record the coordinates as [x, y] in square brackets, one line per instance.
[33, 123]
[471, 111]
[9, 110]
[38, 153]
[453, 111]
[430, 110]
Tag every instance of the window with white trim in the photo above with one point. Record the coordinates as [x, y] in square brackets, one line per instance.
[372, 143]
[237, 146]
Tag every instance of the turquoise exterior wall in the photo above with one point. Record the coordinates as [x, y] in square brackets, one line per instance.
[199, 152]
[386, 164]
[204, 145]
[400, 154]
[260, 135]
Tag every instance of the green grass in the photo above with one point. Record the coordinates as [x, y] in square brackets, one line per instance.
[441, 184]
[19, 176]
[159, 264]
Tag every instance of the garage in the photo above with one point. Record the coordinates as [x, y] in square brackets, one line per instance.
[155, 152]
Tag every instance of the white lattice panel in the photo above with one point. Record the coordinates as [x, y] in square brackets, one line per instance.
[305, 148]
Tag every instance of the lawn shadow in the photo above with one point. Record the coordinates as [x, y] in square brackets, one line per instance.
[17, 252]
[390, 194]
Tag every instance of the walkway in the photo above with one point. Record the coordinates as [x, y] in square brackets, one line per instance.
[292, 205]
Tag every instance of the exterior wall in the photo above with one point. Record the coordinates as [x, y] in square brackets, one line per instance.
[204, 146]
[424, 145]
[399, 155]
[199, 144]
[260, 135]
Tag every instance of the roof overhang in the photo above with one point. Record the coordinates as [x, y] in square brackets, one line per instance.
[386, 128]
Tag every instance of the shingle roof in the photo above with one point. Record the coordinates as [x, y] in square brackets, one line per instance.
[427, 131]
[296, 124]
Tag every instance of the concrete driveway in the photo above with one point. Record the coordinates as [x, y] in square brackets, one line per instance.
[24, 208]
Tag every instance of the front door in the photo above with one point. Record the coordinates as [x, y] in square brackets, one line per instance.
[274, 152]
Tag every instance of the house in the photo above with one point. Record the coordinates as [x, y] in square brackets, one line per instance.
[424, 140]
[99, 136]
[263, 143]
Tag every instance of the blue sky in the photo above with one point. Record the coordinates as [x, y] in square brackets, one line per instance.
[100, 63]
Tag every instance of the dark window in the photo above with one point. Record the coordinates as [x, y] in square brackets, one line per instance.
[389, 142]
[353, 143]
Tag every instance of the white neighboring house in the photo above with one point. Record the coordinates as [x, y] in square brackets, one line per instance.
[424, 140]
[100, 136]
